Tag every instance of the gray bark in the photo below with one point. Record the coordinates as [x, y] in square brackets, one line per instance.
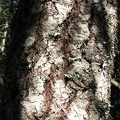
[61, 61]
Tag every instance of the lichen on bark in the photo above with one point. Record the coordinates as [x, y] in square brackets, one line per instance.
[65, 60]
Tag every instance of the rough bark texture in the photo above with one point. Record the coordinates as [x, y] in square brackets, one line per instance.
[60, 60]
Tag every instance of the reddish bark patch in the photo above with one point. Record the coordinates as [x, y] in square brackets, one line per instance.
[48, 94]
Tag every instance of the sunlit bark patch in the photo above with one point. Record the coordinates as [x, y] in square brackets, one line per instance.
[67, 60]
[69, 64]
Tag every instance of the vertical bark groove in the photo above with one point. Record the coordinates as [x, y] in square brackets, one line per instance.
[63, 60]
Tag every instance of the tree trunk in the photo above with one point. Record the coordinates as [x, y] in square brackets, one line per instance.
[60, 60]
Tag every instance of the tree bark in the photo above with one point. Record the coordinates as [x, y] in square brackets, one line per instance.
[61, 60]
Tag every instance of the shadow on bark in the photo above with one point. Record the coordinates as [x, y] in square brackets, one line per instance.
[115, 92]
[98, 18]
[22, 21]
[10, 106]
